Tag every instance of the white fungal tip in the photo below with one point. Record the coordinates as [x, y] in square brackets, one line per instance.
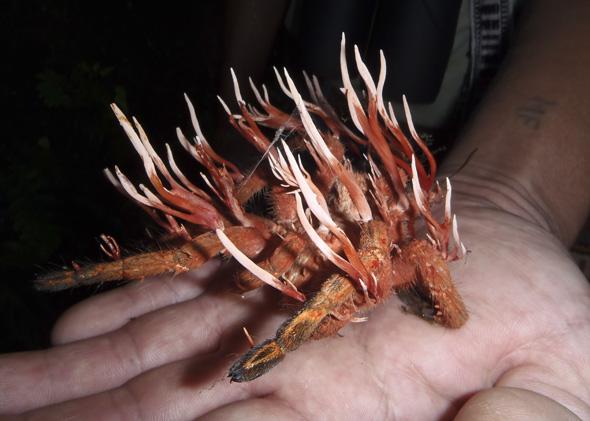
[418, 194]
[236, 86]
[193, 115]
[256, 270]
[257, 92]
[413, 131]
[459, 244]
[281, 83]
[448, 201]
[224, 105]
[109, 175]
[392, 114]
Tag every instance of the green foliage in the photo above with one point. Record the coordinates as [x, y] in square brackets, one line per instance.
[87, 85]
[47, 167]
[63, 64]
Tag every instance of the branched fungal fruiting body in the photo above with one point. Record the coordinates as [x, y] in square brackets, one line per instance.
[354, 231]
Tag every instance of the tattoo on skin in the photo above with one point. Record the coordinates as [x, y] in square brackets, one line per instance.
[531, 113]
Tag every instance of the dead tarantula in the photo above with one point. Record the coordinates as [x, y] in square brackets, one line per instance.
[355, 231]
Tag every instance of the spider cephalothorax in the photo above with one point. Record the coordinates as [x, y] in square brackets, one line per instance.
[353, 231]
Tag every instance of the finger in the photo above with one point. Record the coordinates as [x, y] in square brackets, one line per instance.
[97, 364]
[181, 390]
[190, 388]
[561, 381]
[253, 410]
[111, 310]
[507, 403]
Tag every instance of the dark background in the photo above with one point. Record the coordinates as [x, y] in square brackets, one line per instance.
[63, 64]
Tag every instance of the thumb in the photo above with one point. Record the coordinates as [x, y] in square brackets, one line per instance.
[502, 403]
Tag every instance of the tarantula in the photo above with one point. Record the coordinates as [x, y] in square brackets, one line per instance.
[355, 231]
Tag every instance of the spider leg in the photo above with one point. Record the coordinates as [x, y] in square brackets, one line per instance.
[293, 332]
[326, 312]
[188, 256]
[294, 259]
[433, 276]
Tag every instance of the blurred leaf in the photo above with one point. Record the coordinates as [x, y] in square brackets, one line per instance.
[120, 97]
[44, 143]
[52, 89]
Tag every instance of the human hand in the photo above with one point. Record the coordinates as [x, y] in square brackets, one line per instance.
[160, 349]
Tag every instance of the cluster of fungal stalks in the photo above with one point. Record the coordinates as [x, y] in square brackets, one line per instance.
[360, 235]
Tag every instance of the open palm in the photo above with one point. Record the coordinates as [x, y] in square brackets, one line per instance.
[161, 348]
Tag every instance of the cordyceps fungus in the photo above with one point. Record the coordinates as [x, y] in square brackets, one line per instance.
[354, 233]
